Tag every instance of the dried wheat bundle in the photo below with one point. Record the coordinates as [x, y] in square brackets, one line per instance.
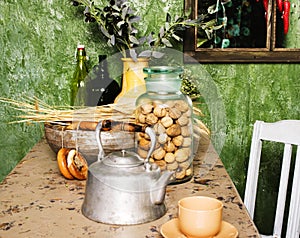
[35, 110]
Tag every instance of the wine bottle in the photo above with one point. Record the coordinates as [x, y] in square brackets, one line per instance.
[78, 91]
[101, 88]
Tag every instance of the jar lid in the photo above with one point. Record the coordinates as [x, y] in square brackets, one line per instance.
[163, 79]
[163, 70]
[123, 159]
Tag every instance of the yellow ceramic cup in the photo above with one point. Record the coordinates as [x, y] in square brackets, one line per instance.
[200, 216]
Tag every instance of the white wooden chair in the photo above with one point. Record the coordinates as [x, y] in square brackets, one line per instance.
[288, 133]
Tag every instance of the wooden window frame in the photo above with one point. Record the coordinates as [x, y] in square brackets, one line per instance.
[270, 54]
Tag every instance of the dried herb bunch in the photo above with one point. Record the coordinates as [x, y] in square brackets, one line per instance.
[118, 23]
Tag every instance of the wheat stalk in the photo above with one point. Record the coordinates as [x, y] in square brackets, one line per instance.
[35, 110]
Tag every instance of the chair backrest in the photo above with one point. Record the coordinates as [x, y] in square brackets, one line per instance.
[288, 133]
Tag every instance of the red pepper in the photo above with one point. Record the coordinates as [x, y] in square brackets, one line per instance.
[279, 5]
[266, 4]
[285, 16]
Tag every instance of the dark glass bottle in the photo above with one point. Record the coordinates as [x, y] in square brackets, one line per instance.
[101, 88]
[78, 92]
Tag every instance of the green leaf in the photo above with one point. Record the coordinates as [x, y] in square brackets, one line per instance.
[176, 37]
[145, 53]
[134, 19]
[133, 40]
[161, 32]
[157, 54]
[133, 54]
[113, 40]
[168, 17]
[212, 9]
[167, 26]
[105, 32]
[166, 42]
[120, 23]
[201, 41]
[115, 7]
[124, 12]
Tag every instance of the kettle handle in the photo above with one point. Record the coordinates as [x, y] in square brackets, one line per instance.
[151, 134]
[98, 139]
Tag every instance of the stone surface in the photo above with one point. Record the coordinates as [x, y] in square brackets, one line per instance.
[36, 201]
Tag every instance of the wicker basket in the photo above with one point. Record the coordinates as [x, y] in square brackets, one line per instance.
[58, 136]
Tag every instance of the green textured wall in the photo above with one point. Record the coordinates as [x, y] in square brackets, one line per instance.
[253, 92]
[38, 42]
[37, 55]
[38, 39]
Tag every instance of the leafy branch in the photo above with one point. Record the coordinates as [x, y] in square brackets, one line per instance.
[117, 21]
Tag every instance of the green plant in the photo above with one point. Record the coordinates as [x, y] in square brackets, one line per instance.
[118, 24]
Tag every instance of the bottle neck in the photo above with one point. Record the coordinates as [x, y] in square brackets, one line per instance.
[81, 54]
[81, 57]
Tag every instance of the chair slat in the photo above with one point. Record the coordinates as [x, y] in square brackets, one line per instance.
[288, 133]
[253, 170]
[294, 212]
[284, 178]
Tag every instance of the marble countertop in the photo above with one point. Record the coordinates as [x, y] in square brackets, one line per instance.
[36, 201]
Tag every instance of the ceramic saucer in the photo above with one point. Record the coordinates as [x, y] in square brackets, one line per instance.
[171, 230]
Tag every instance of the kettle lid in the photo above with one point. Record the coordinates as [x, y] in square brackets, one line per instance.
[123, 159]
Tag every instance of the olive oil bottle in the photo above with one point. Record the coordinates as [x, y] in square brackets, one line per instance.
[78, 87]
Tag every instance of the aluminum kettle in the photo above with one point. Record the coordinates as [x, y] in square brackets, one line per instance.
[123, 188]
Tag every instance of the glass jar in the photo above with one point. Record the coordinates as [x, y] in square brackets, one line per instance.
[169, 113]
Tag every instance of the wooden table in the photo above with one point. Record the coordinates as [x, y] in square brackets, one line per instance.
[36, 201]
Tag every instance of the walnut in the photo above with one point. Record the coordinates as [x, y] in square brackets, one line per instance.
[142, 153]
[146, 108]
[166, 121]
[162, 164]
[174, 130]
[187, 142]
[172, 166]
[174, 113]
[183, 120]
[180, 174]
[159, 128]
[169, 146]
[181, 106]
[178, 140]
[170, 104]
[182, 154]
[151, 160]
[144, 144]
[162, 138]
[188, 172]
[159, 111]
[185, 131]
[141, 118]
[151, 119]
[169, 157]
[159, 153]
[185, 165]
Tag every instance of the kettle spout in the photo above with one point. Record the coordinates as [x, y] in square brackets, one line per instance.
[158, 189]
